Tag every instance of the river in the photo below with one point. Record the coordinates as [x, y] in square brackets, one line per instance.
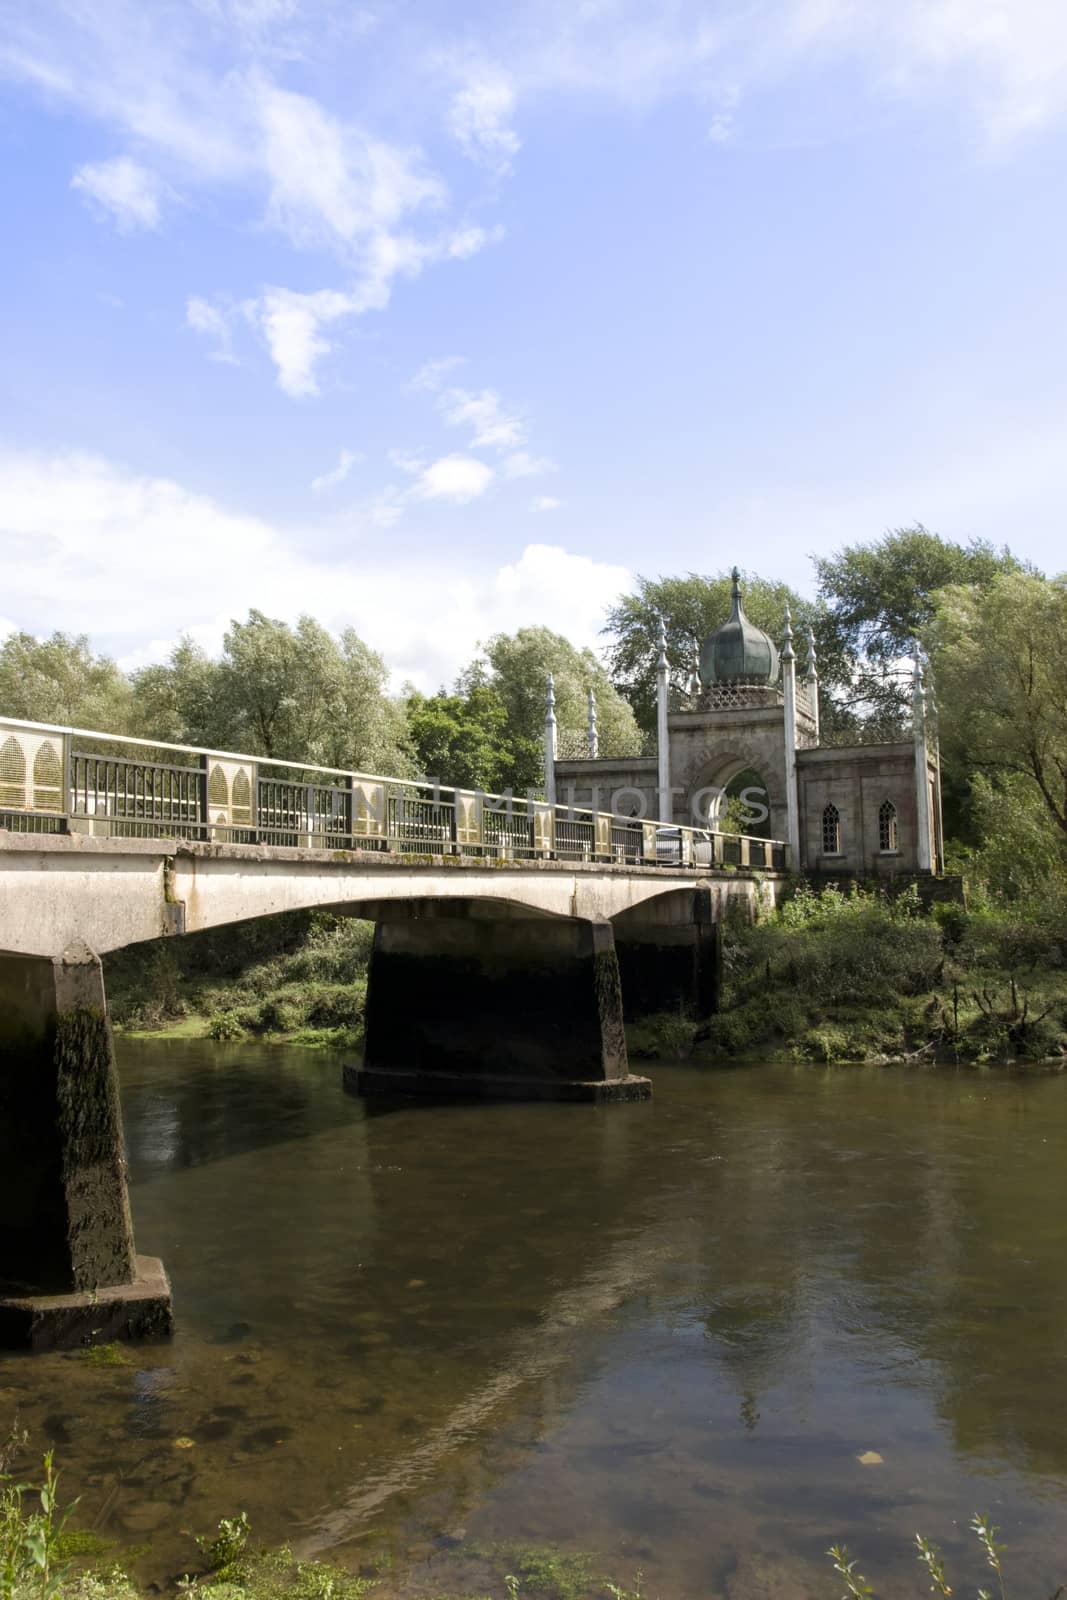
[701, 1338]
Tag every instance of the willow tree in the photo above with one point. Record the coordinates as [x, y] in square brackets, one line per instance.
[999, 660]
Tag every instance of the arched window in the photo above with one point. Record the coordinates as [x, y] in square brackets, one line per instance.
[745, 806]
[218, 793]
[47, 779]
[887, 826]
[831, 831]
[242, 797]
[12, 774]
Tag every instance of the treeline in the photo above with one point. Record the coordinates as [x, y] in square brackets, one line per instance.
[994, 631]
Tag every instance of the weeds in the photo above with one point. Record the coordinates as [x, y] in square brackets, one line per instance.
[857, 1587]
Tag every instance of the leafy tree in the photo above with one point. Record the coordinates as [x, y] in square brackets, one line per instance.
[878, 599]
[516, 667]
[999, 657]
[291, 693]
[691, 608]
[60, 680]
[463, 740]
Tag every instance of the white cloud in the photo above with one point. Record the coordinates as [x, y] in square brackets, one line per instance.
[83, 536]
[292, 324]
[330, 182]
[521, 464]
[545, 502]
[292, 321]
[122, 188]
[432, 374]
[479, 118]
[329, 480]
[213, 323]
[459, 479]
[491, 426]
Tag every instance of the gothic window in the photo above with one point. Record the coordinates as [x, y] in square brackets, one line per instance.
[242, 796]
[218, 794]
[887, 826]
[47, 779]
[831, 831]
[12, 774]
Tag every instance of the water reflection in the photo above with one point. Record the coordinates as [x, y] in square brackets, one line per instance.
[665, 1333]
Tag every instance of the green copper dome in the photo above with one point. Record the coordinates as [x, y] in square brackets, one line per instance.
[738, 652]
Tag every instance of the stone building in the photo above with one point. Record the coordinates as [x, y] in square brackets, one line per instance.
[743, 748]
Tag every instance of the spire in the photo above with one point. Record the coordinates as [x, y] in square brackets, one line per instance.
[787, 637]
[592, 728]
[663, 749]
[811, 672]
[661, 642]
[692, 688]
[550, 741]
[918, 696]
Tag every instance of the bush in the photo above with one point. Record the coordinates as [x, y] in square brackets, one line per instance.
[224, 1025]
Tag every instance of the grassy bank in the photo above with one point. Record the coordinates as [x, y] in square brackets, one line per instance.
[301, 978]
[833, 977]
[830, 976]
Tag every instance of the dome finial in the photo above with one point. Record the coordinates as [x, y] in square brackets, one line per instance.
[738, 652]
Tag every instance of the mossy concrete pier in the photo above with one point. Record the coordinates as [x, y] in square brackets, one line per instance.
[509, 1006]
[69, 1273]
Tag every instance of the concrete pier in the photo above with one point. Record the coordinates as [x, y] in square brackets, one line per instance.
[670, 955]
[69, 1273]
[486, 1001]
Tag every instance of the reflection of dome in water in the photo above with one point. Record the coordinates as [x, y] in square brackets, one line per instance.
[738, 652]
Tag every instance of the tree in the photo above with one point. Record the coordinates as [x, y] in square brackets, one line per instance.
[60, 680]
[691, 608]
[878, 599]
[463, 740]
[516, 667]
[296, 694]
[998, 654]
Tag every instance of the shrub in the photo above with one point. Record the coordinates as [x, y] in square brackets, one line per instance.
[223, 1025]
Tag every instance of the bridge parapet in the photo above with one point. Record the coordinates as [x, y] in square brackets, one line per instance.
[72, 780]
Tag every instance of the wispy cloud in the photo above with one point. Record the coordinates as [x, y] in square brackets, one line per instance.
[491, 426]
[432, 375]
[479, 118]
[122, 189]
[521, 464]
[214, 324]
[545, 502]
[337, 474]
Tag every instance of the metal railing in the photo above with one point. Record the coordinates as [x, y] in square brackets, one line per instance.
[53, 780]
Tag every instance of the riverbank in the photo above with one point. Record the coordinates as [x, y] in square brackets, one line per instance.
[829, 977]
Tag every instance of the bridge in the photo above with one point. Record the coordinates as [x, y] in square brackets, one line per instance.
[510, 935]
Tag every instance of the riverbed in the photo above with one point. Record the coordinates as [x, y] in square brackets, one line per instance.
[700, 1338]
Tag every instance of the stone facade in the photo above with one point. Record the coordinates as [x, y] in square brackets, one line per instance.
[860, 810]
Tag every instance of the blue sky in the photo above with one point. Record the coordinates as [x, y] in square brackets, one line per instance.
[439, 319]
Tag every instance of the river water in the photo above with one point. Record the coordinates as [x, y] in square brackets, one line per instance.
[666, 1334]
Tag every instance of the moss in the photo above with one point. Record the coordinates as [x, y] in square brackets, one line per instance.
[104, 1355]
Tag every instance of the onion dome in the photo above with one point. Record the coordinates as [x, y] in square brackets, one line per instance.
[738, 652]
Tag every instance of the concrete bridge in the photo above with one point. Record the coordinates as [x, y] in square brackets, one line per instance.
[510, 934]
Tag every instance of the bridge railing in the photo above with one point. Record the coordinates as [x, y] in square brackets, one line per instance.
[70, 780]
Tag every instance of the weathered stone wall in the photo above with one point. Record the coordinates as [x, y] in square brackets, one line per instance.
[857, 780]
[594, 785]
[709, 748]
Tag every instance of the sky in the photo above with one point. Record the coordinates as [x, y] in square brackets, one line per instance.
[436, 320]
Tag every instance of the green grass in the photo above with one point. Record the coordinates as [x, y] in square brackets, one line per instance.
[300, 978]
[833, 977]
